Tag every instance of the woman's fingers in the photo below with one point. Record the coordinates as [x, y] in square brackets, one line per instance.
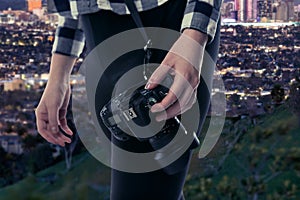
[45, 130]
[186, 80]
[63, 113]
[41, 122]
[53, 116]
[48, 124]
[53, 119]
[61, 138]
[189, 104]
[158, 76]
[174, 93]
[184, 103]
[63, 122]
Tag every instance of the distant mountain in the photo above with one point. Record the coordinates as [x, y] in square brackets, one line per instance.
[13, 4]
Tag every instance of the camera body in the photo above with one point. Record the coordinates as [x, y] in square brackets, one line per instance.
[124, 110]
[132, 109]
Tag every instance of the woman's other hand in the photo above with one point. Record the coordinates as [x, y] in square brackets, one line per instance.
[52, 109]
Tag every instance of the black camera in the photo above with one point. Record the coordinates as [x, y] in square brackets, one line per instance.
[128, 115]
[124, 112]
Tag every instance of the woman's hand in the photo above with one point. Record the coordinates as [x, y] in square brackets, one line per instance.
[52, 109]
[183, 62]
[51, 113]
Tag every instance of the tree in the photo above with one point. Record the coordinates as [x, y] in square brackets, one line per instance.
[39, 158]
[30, 142]
[277, 94]
[21, 130]
[294, 98]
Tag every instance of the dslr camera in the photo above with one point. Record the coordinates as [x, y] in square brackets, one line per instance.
[128, 115]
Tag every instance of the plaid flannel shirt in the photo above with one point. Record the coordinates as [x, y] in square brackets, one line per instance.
[202, 15]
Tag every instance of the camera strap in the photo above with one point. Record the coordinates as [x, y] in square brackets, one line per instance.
[137, 19]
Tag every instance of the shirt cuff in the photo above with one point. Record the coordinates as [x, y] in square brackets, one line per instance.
[202, 16]
[69, 39]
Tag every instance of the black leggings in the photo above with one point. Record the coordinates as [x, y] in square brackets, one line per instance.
[104, 24]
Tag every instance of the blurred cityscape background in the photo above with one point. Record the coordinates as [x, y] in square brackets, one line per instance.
[261, 10]
[257, 156]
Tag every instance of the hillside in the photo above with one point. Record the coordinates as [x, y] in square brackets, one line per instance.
[255, 162]
[87, 179]
[251, 162]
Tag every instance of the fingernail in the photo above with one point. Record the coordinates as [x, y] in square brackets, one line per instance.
[70, 132]
[147, 86]
[54, 129]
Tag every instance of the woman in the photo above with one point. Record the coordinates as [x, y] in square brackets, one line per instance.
[94, 21]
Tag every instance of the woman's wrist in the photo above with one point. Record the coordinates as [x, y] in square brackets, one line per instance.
[198, 36]
[61, 68]
[59, 74]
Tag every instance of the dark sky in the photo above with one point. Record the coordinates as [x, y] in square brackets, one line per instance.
[13, 4]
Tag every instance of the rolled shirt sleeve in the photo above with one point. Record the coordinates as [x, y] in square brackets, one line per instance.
[202, 15]
[69, 38]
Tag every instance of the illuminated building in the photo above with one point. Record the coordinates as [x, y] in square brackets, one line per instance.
[11, 144]
[283, 10]
[15, 84]
[246, 10]
[34, 4]
[250, 11]
[254, 11]
[7, 19]
[291, 10]
[227, 8]
[264, 9]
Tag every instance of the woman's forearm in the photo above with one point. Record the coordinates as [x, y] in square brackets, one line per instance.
[61, 68]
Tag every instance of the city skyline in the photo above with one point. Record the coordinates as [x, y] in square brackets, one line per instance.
[260, 10]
